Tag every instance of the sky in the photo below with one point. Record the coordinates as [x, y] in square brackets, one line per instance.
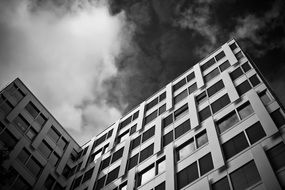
[90, 62]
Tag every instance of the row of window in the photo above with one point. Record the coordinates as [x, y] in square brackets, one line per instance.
[128, 120]
[155, 101]
[183, 81]
[154, 114]
[179, 113]
[212, 61]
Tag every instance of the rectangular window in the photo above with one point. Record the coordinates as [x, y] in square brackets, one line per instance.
[204, 113]
[151, 104]
[245, 110]
[254, 80]
[201, 97]
[21, 123]
[235, 145]
[190, 76]
[146, 153]
[187, 175]
[8, 139]
[88, 175]
[32, 110]
[77, 182]
[220, 103]
[100, 183]
[45, 149]
[222, 184]
[227, 122]
[245, 67]
[182, 129]
[125, 122]
[192, 88]
[255, 132]
[160, 186]
[105, 163]
[117, 155]
[276, 156]
[150, 117]
[167, 138]
[160, 166]
[185, 149]
[215, 88]
[31, 133]
[239, 55]
[23, 156]
[220, 55]
[243, 87]
[278, 118]
[54, 159]
[133, 161]
[208, 64]
[133, 129]
[53, 134]
[236, 73]
[41, 119]
[180, 96]
[265, 97]
[233, 46]
[162, 109]
[179, 84]
[123, 136]
[181, 112]
[201, 139]
[34, 166]
[224, 65]
[112, 175]
[245, 177]
[211, 75]
[135, 115]
[49, 182]
[100, 140]
[167, 121]
[136, 142]
[148, 134]
[206, 164]
[146, 175]
[162, 96]
[62, 144]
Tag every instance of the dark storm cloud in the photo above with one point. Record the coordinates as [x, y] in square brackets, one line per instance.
[170, 36]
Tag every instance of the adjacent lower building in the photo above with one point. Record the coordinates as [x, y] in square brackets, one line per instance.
[217, 126]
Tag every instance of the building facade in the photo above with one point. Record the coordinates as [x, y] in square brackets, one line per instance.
[217, 126]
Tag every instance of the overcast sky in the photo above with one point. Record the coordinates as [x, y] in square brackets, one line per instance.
[89, 63]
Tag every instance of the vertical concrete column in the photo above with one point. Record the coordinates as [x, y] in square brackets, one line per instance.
[95, 173]
[141, 116]
[131, 179]
[86, 157]
[199, 77]
[229, 54]
[262, 114]
[193, 113]
[169, 97]
[264, 168]
[37, 141]
[125, 157]
[65, 157]
[214, 144]
[158, 134]
[230, 87]
[114, 135]
[170, 172]
[201, 184]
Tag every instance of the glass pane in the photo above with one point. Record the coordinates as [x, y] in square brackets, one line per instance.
[225, 65]
[206, 164]
[278, 118]
[190, 76]
[23, 156]
[222, 184]
[168, 138]
[220, 103]
[255, 132]
[204, 114]
[212, 75]
[168, 120]
[201, 138]
[276, 156]
[264, 98]
[181, 112]
[179, 84]
[187, 175]
[192, 88]
[220, 55]
[245, 110]
[236, 74]
[34, 167]
[208, 64]
[246, 67]
[62, 143]
[180, 96]
[31, 134]
[54, 158]
[161, 166]
[182, 129]
[227, 122]
[186, 149]
[147, 175]
[45, 149]
[32, 110]
[254, 80]
[21, 123]
[160, 186]
[243, 87]
[112, 175]
[53, 134]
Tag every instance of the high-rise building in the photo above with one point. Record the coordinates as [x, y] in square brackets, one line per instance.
[217, 126]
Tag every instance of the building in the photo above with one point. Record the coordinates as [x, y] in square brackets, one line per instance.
[217, 126]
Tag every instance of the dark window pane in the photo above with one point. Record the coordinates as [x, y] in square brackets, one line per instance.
[34, 166]
[245, 177]
[21, 123]
[234, 145]
[49, 182]
[168, 120]
[278, 118]
[58, 187]
[151, 104]
[227, 122]
[54, 158]
[167, 138]
[32, 110]
[162, 96]
[100, 183]
[243, 87]
[233, 46]
[125, 122]
[192, 88]
[246, 67]
[145, 153]
[239, 55]
[62, 143]
[254, 80]
[224, 65]
[67, 172]
[105, 163]
[212, 75]
[276, 156]
[187, 175]
[77, 182]
[101, 139]
[133, 129]
[31, 133]
[162, 109]
[112, 175]
[201, 139]
[222, 184]
[182, 129]
[88, 175]
[109, 134]
[150, 117]
[45, 149]
[136, 142]
[215, 88]
[236, 73]
[220, 55]
[133, 161]
[190, 76]
[265, 98]
[8, 139]
[23, 155]
[136, 115]
[181, 112]
[179, 84]
[117, 155]
[220, 103]
[146, 175]
[180, 96]
[185, 149]
[20, 183]
[206, 164]
[5, 107]
[208, 64]
[245, 110]
[148, 134]
[204, 113]
[255, 132]
[53, 134]
[41, 119]
[201, 97]
[160, 186]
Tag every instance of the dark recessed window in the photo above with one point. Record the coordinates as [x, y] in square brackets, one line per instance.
[53, 134]
[211, 75]
[151, 104]
[201, 139]
[5, 106]
[32, 110]
[24, 155]
[148, 134]
[243, 87]
[88, 175]
[125, 122]
[167, 138]
[135, 115]
[222, 184]
[245, 177]
[162, 109]
[187, 175]
[224, 65]
[150, 117]
[136, 142]
[215, 88]
[100, 140]
[100, 183]
[133, 129]
[109, 133]
[8, 139]
[233, 46]
[21, 123]
[255, 132]
[239, 55]
[105, 163]
[160, 186]
[185, 149]
[265, 97]
[254, 80]
[208, 64]
[204, 113]
[133, 161]
[245, 110]
[54, 159]
[192, 88]
[180, 96]
[77, 182]
[146, 175]
[41, 119]
[49, 182]
[201, 97]
[182, 129]
[162, 96]
[278, 118]
[220, 55]
[146, 153]
[227, 122]
[276, 156]
[179, 84]
[190, 76]
[123, 136]
[167, 121]
[235, 145]
[45, 149]
[31, 133]
[62, 144]
[236, 73]
[181, 112]
[117, 155]
[220, 103]
[112, 175]
[246, 67]
[34, 166]
[206, 164]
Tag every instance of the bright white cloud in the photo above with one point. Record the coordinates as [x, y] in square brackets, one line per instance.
[64, 60]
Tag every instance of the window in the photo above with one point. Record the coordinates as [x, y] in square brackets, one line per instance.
[100, 183]
[58, 187]
[220, 55]
[77, 182]
[49, 182]
[5, 106]
[105, 163]
[239, 55]
[146, 175]
[245, 110]
[160, 166]
[145, 153]
[243, 87]
[133, 129]
[88, 175]
[162, 96]
[67, 172]
[117, 155]
[276, 156]
[162, 109]
[255, 132]
[136, 142]
[190, 76]
[220, 103]
[111, 132]
[167, 121]
[235, 145]
[182, 129]
[254, 80]
[123, 186]
[187, 175]
[180, 96]
[245, 177]
[265, 97]
[227, 122]
[201, 139]
[53, 134]
[112, 175]
[34, 166]
[211, 75]
[45, 149]
[181, 112]
[8, 139]
[123, 136]
[204, 113]
[54, 158]
[148, 134]
[31, 133]
[150, 117]
[215, 88]
[21, 123]
[16, 92]
[100, 140]
[278, 118]
[133, 161]
[62, 143]
[245, 67]
[20, 183]
[32, 110]
[201, 97]
[167, 138]
[179, 84]
[192, 88]
[206, 164]
[236, 73]
[224, 65]
[41, 119]
[185, 149]
[151, 104]
[125, 122]
[222, 184]
[208, 64]
[24, 155]
[160, 186]
[233, 46]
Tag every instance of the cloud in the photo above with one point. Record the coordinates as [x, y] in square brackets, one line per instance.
[64, 54]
